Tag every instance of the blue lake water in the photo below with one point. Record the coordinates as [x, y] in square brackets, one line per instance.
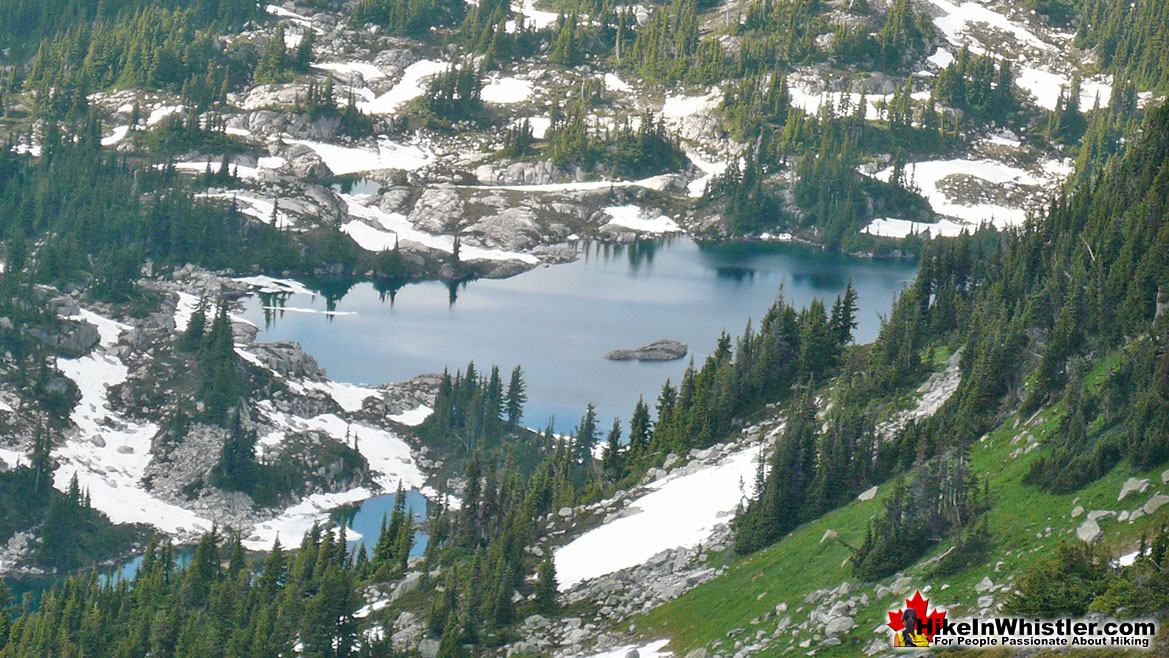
[366, 519]
[558, 322]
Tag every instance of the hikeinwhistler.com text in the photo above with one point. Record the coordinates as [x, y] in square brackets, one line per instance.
[972, 632]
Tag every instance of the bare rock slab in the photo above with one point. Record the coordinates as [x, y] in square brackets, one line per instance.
[662, 350]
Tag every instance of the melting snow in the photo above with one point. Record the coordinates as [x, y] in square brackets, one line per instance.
[811, 102]
[685, 106]
[281, 12]
[349, 396]
[540, 125]
[407, 89]
[1045, 88]
[269, 284]
[535, 17]
[366, 70]
[343, 160]
[889, 227]
[413, 417]
[680, 511]
[252, 205]
[160, 113]
[697, 187]
[295, 521]
[12, 458]
[395, 225]
[941, 58]
[388, 456]
[613, 83]
[507, 90]
[955, 19]
[632, 217]
[242, 171]
[926, 175]
[119, 134]
[110, 453]
[655, 649]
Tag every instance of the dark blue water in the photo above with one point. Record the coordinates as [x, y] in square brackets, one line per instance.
[558, 322]
[367, 520]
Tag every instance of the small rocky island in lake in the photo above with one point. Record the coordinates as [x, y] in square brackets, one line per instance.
[662, 350]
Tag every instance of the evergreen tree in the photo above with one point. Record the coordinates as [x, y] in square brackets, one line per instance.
[516, 398]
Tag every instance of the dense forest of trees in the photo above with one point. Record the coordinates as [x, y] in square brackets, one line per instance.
[29, 21]
[1083, 280]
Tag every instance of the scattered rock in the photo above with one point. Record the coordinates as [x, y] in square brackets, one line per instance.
[867, 494]
[984, 585]
[902, 584]
[1098, 515]
[839, 626]
[1155, 503]
[1089, 531]
[1130, 485]
[829, 534]
[1077, 511]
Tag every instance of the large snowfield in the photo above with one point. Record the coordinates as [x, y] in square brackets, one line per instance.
[928, 174]
[108, 454]
[679, 511]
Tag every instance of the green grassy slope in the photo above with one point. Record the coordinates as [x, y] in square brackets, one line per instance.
[1024, 522]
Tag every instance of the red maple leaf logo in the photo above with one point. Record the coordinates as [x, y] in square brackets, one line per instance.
[930, 623]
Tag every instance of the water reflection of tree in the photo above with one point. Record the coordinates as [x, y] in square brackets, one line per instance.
[388, 288]
[638, 252]
[453, 288]
[272, 304]
[735, 273]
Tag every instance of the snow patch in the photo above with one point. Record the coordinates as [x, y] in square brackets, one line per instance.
[110, 453]
[349, 396]
[954, 23]
[926, 175]
[343, 160]
[267, 284]
[119, 134]
[539, 125]
[281, 12]
[680, 511]
[941, 58]
[366, 70]
[632, 217]
[507, 90]
[413, 417]
[396, 225]
[407, 89]
[254, 206]
[388, 456]
[535, 17]
[697, 187]
[613, 83]
[889, 227]
[685, 106]
[655, 649]
[1045, 87]
[160, 113]
[295, 521]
